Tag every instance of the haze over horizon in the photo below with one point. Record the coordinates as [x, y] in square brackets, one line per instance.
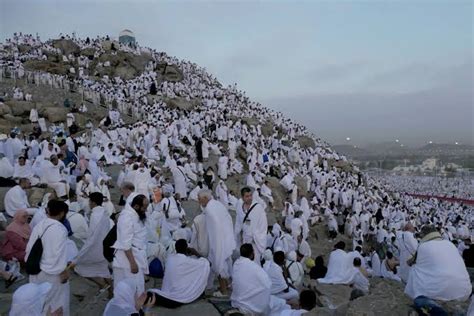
[371, 71]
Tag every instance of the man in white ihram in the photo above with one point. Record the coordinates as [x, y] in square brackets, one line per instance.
[438, 272]
[221, 240]
[53, 262]
[16, 198]
[252, 223]
[130, 261]
[251, 287]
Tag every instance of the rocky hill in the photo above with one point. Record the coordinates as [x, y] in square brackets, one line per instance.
[385, 298]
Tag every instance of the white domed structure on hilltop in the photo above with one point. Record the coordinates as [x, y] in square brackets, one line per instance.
[127, 37]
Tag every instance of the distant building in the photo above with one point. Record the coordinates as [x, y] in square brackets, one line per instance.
[127, 37]
[429, 163]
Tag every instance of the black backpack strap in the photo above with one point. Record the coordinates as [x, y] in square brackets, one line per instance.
[288, 269]
[273, 243]
[166, 209]
[182, 172]
[45, 231]
[248, 213]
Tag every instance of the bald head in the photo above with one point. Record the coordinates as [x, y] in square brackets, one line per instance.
[409, 228]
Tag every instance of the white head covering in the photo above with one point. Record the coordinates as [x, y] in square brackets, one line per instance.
[276, 230]
[268, 255]
[291, 255]
[123, 302]
[180, 234]
[28, 299]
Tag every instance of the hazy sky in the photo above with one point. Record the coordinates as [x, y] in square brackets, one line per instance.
[370, 70]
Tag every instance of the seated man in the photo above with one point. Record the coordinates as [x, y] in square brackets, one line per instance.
[439, 272]
[280, 286]
[23, 169]
[295, 270]
[185, 277]
[339, 267]
[388, 268]
[51, 175]
[16, 198]
[251, 286]
[307, 302]
[360, 281]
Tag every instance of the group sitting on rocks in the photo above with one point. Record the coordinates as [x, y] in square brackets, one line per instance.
[224, 155]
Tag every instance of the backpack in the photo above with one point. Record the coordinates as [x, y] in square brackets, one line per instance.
[32, 264]
[156, 269]
[108, 242]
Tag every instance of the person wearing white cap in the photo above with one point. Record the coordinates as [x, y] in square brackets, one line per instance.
[29, 299]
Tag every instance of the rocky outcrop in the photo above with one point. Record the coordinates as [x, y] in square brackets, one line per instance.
[306, 142]
[181, 103]
[66, 46]
[19, 108]
[54, 114]
[169, 72]
[4, 109]
[122, 64]
[53, 67]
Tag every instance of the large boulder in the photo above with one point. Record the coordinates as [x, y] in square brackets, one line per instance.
[122, 64]
[13, 119]
[89, 52]
[334, 296]
[169, 72]
[386, 297]
[4, 109]
[180, 103]
[19, 108]
[306, 142]
[267, 129]
[55, 114]
[173, 74]
[125, 72]
[278, 192]
[250, 121]
[301, 184]
[66, 46]
[24, 48]
[53, 67]
[6, 125]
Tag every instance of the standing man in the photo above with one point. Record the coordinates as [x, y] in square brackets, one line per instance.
[130, 260]
[90, 262]
[254, 223]
[53, 263]
[221, 240]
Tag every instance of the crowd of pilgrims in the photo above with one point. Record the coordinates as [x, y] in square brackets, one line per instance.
[173, 156]
[452, 187]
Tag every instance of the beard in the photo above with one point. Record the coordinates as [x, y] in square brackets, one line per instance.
[142, 216]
